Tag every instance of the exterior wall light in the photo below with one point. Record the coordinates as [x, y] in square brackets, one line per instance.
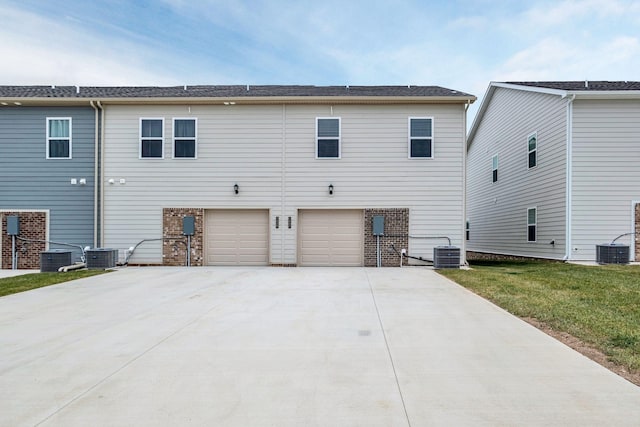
[236, 188]
[330, 189]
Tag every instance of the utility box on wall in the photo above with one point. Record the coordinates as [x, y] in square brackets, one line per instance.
[378, 225]
[13, 225]
[188, 225]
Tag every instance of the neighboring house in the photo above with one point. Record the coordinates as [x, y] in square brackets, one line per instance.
[282, 175]
[47, 170]
[554, 169]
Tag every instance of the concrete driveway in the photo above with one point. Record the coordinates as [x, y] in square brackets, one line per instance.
[289, 347]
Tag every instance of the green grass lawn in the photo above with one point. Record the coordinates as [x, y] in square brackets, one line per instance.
[599, 305]
[26, 282]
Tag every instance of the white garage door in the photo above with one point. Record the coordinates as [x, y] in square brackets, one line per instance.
[237, 237]
[330, 238]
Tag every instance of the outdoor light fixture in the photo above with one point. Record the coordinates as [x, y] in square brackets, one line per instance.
[236, 188]
[330, 189]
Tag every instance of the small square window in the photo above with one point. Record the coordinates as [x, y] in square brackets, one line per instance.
[532, 145]
[184, 138]
[151, 138]
[58, 138]
[494, 167]
[532, 225]
[420, 137]
[328, 138]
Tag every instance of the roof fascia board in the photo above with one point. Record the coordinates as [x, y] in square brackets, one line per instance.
[244, 100]
[483, 107]
[294, 100]
[606, 94]
[489, 94]
[37, 101]
[537, 89]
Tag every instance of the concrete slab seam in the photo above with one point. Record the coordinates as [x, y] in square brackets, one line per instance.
[386, 343]
[102, 381]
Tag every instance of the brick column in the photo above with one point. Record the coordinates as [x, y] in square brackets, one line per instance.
[396, 230]
[174, 247]
[33, 225]
[637, 231]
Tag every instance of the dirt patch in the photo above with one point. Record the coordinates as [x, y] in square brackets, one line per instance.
[586, 350]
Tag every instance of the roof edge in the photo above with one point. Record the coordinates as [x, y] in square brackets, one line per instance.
[240, 100]
[489, 94]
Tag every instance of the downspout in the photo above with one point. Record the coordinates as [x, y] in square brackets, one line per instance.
[463, 242]
[283, 185]
[568, 180]
[102, 133]
[96, 175]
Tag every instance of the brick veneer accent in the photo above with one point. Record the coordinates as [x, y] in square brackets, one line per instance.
[33, 225]
[637, 231]
[396, 230]
[174, 251]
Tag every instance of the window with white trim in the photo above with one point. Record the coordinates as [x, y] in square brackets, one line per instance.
[420, 137]
[152, 138]
[328, 137]
[184, 138]
[532, 224]
[494, 168]
[58, 137]
[532, 146]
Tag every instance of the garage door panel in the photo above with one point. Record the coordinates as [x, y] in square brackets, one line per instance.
[237, 237]
[330, 238]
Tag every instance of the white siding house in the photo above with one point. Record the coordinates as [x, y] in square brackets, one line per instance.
[568, 167]
[282, 175]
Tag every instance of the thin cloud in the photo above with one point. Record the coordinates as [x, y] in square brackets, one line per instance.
[47, 51]
[552, 59]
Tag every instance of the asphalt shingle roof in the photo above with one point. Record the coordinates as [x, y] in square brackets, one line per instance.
[210, 91]
[584, 85]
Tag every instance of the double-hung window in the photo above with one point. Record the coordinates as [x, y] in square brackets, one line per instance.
[151, 138]
[184, 138]
[532, 224]
[494, 168]
[328, 137]
[532, 146]
[58, 137]
[420, 137]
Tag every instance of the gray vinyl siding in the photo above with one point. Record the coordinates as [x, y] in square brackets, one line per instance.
[269, 151]
[497, 212]
[28, 181]
[606, 172]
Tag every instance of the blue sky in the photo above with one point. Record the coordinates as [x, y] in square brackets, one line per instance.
[459, 44]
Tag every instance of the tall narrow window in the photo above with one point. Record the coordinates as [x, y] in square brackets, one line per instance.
[494, 167]
[151, 138]
[467, 231]
[58, 138]
[328, 138]
[532, 224]
[421, 137]
[184, 138]
[532, 145]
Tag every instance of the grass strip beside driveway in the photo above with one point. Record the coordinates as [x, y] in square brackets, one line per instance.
[26, 282]
[600, 305]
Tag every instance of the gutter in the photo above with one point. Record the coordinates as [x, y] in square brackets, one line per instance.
[252, 100]
[568, 180]
[463, 241]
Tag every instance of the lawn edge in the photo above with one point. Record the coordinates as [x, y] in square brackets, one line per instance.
[585, 349]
